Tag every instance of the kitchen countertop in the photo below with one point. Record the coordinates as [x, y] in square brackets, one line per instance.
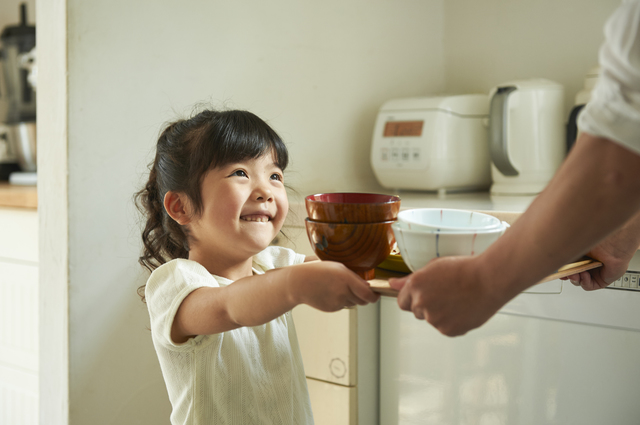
[18, 196]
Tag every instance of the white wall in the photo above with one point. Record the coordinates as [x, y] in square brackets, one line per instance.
[490, 42]
[316, 71]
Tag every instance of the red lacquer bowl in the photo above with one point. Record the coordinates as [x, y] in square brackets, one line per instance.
[352, 207]
[360, 246]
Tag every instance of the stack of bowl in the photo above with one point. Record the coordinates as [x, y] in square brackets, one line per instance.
[423, 234]
[352, 228]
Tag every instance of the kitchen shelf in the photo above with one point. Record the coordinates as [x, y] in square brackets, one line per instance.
[18, 196]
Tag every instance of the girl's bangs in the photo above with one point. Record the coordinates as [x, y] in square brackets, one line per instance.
[247, 138]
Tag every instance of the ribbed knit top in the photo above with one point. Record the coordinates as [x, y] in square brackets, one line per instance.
[249, 375]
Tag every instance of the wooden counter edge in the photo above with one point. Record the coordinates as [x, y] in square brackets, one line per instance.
[380, 284]
[15, 196]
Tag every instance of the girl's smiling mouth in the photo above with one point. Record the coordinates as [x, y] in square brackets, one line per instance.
[263, 218]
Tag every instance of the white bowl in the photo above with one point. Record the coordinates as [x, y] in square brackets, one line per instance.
[418, 247]
[408, 226]
[448, 220]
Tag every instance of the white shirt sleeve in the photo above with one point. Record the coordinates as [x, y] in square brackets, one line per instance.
[166, 288]
[614, 109]
[274, 257]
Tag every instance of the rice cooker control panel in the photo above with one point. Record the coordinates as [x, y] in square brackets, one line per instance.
[401, 145]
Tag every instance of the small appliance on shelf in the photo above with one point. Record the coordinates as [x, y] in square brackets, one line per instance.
[18, 132]
[526, 135]
[437, 143]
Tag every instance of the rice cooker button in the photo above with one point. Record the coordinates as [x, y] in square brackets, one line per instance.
[395, 154]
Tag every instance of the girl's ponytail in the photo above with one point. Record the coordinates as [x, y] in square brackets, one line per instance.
[162, 238]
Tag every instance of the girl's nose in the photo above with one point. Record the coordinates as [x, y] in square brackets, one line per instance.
[263, 193]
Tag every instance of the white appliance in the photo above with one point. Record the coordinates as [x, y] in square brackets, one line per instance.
[526, 135]
[558, 356]
[18, 91]
[432, 143]
[581, 99]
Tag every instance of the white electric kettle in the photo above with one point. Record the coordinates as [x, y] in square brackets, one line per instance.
[526, 135]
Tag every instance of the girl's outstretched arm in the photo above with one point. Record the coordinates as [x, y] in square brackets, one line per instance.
[258, 299]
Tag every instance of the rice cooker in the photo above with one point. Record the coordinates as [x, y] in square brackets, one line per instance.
[437, 143]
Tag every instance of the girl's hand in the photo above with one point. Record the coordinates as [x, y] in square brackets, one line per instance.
[328, 286]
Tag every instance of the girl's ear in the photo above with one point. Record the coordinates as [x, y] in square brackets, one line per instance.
[177, 207]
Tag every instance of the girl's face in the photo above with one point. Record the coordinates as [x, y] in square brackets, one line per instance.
[244, 207]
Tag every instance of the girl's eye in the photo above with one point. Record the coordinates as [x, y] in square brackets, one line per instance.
[276, 176]
[239, 173]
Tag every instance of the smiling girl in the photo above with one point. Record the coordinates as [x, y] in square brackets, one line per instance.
[219, 297]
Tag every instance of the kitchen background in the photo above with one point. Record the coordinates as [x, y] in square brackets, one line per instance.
[112, 72]
[10, 16]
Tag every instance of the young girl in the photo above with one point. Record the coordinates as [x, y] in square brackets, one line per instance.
[219, 297]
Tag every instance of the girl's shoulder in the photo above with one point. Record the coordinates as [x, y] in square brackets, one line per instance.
[178, 266]
[274, 257]
[178, 273]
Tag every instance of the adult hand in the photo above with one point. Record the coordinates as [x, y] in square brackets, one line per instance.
[450, 293]
[615, 253]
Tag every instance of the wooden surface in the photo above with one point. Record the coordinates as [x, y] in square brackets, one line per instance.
[508, 216]
[18, 196]
[380, 283]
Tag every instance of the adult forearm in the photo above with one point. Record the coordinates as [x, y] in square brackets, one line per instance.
[627, 238]
[594, 192]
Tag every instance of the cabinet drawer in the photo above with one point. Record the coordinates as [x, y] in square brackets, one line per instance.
[19, 230]
[328, 342]
[333, 404]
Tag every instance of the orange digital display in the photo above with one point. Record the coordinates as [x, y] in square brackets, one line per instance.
[403, 128]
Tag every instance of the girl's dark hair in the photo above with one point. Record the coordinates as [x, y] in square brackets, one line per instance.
[186, 150]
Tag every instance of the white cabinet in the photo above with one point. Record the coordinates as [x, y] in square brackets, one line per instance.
[18, 316]
[333, 404]
[339, 350]
[328, 342]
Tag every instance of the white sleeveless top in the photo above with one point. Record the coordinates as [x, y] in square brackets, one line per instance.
[614, 109]
[249, 375]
